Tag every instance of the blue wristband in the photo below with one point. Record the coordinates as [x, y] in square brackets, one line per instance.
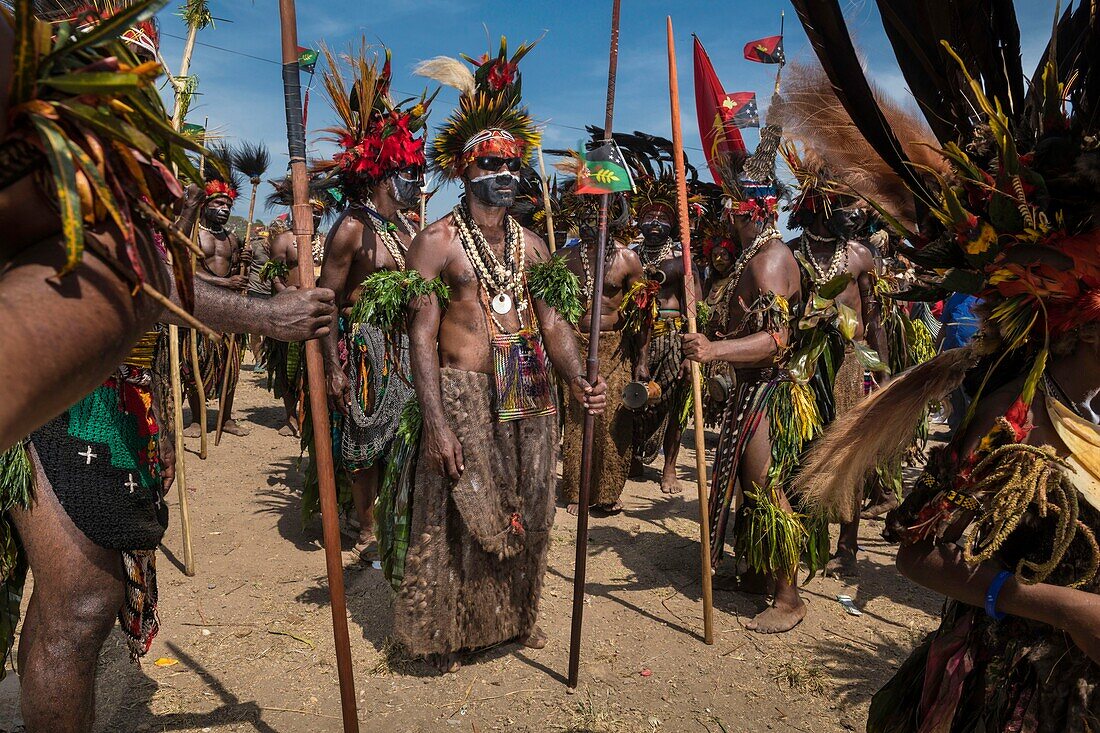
[993, 593]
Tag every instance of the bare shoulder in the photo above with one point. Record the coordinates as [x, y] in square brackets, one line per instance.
[348, 229]
[440, 232]
[433, 246]
[776, 258]
[860, 257]
[536, 248]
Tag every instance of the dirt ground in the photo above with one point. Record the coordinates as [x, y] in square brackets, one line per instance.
[247, 642]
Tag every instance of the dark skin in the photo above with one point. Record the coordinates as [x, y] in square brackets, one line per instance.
[221, 248]
[458, 337]
[859, 295]
[622, 270]
[655, 225]
[940, 566]
[773, 269]
[352, 253]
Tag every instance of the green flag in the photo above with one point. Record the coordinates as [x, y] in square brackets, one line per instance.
[307, 59]
[198, 132]
[606, 170]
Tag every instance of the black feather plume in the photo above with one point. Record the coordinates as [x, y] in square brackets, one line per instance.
[252, 160]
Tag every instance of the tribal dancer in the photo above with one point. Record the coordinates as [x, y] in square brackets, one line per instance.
[768, 415]
[484, 501]
[286, 361]
[220, 266]
[83, 495]
[842, 321]
[379, 172]
[662, 423]
[1004, 519]
[624, 330]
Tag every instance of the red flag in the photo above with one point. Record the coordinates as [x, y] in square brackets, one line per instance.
[766, 50]
[740, 109]
[709, 95]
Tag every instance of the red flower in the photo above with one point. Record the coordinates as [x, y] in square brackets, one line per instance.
[501, 74]
[1017, 417]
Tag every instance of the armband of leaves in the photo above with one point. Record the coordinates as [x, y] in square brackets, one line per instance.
[386, 294]
[274, 270]
[639, 306]
[553, 283]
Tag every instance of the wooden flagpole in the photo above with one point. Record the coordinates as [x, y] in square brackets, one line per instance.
[196, 371]
[302, 218]
[696, 376]
[593, 375]
[547, 207]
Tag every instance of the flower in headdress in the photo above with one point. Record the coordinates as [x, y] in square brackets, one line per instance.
[981, 238]
[501, 74]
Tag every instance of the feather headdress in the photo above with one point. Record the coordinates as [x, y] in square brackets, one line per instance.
[221, 178]
[377, 135]
[490, 119]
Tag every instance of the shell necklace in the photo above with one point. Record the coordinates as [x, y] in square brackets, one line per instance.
[506, 279]
[387, 232]
[837, 264]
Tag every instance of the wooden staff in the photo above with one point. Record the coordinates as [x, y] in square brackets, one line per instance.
[593, 375]
[302, 218]
[696, 377]
[550, 238]
[196, 370]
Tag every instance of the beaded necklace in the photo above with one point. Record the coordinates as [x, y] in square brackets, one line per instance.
[730, 287]
[219, 230]
[506, 279]
[589, 275]
[387, 232]
[838, 262]
[652, 257]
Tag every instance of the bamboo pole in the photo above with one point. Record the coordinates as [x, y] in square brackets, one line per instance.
[200, 386]
[696, 376]
[593, 375]
[302, 218]
[550, 236]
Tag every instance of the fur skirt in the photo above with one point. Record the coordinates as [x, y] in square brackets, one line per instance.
[848, 387]
[614, 434]
[477, 546]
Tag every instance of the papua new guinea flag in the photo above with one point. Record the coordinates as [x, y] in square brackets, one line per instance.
[719, 137]
[766, 50]
[740, 110]
[604, 170]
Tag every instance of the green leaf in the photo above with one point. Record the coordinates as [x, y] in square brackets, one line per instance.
[868, 357]
[64, 180]
[24, 59]
[110, 126]
[847, 321]
[94, 82]
[804, 363]
[835, 286]
[102, 190]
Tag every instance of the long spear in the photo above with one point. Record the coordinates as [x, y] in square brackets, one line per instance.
[302, 218]
[593, 364]
[696, 377]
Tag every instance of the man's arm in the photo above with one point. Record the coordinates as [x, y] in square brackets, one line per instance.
[428, 255]
[775, 272]
[561, 344]
[635, 274]
[340, 246]
[874, 331]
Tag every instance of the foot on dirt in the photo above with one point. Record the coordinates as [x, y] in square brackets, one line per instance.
[572, 509]
[289, 431]
[777, 619]
[365, 551]
[671, 485]
[231, 427]
[193, 431]
[878, 511]
[444, 663]
[610, 508]
[842, 565]
[536, 639]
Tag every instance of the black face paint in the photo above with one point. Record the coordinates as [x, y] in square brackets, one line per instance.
[406, 191]
[495, 189]
[655, 229]
[217, 215]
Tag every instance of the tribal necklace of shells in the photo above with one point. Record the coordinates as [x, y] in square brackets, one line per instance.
[722, 308]
[505, 282]
[387, 232]
[589, 275]
[837, 264]
[652, 257]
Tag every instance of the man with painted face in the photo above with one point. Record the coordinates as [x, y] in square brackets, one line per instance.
[480, 333]
[221, 266]
[827, 250]
[379, 174]
[767, 415]
[661, 424]
[624, 331]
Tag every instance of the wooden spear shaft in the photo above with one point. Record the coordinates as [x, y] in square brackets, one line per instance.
[593, 375]
[302, 217]
[196, 370]
[696, 377]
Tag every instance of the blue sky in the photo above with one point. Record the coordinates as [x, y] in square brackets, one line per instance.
[564, 77]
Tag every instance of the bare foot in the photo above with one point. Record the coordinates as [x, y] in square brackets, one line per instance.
[610, 508]
[193, 431]
[777, 619]
[670, 484]
[878, 511]
[444, 663]
[289, 431]
[572, 509]
[842, 565]
[536, 639]
[231, 427]
[366, 550]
